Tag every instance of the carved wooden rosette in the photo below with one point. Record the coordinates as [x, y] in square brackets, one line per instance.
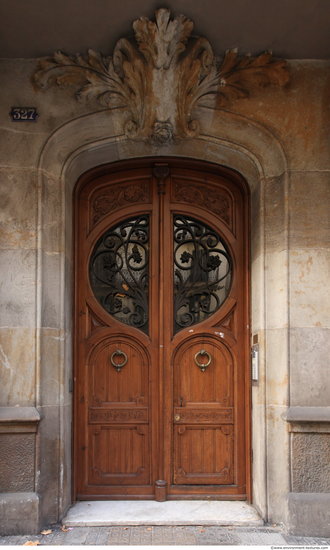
[162, 77]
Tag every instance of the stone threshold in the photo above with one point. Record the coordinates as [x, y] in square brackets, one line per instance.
[171, 512]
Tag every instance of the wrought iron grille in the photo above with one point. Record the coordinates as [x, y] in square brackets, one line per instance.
[202, 272]
[119, 271]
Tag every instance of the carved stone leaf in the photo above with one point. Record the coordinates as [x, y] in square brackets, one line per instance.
[90, 75]
[241, 75]
[162, 77]
[198, 79]
[162, 42]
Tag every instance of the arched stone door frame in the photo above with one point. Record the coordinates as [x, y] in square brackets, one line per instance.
[225, 139]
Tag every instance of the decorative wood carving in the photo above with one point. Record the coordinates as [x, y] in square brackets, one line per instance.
[195, 416]
[98, 416]
[201, 424]
[113, 198]
[218, 202]
[161, 77]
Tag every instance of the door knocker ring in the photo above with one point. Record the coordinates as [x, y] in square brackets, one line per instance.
[203, 366]
[118, 366]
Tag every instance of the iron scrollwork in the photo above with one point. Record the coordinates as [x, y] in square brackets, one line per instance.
[119, 271]
[202, 271]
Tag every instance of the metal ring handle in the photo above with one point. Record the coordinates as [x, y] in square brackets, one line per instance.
[203, 366]
[118, 366]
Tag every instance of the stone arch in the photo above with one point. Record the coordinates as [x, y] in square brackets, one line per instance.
[84, 143]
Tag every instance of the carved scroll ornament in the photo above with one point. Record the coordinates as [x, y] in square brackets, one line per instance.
[161, 77]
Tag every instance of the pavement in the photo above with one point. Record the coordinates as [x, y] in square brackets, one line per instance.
[193, 535]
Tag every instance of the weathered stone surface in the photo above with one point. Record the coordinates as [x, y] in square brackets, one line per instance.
[276, 215]
[259, 454]
[17, 89]
[65, 496]
[257, 221]
[276, 366]
[276, 282]
[47, 479]
[257, 294]
[17, 366]
[317, 415]
[17, 460]
[18, 208]
[298, 114]
[51, 212]
[51, 271]
[309, 210]
[19, 513]
[309, 296]
[51, 351]
[278, 475]
[26, 145]
[17, 289]
[310, 463]
[19, 420]
[309, 514]
[309, 366]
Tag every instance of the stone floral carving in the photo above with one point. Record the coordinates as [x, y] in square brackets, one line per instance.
[161, 77]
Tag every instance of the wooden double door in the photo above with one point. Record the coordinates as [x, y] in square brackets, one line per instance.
[161, 333]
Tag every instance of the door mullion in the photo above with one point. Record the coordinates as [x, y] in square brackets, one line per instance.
[161, 172]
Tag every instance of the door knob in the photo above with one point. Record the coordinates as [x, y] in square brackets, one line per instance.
[177, 417]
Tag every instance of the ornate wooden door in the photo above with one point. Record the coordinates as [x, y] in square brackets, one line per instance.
[161, 333]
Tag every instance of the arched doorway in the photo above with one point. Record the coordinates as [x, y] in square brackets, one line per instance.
[161, 332]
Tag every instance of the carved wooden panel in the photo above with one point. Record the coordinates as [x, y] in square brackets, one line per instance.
[203, 443]
[203, 455]
[118, 414]
[194, 388]
[103, 416]
[119, 455]
[184, 415]
[218, 201]
[112, 198]
[107, 387]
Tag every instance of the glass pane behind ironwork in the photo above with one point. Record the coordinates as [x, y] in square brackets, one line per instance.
[119, 271]
[202, 272]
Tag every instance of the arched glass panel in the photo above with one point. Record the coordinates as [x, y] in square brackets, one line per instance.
[202, 271]
[119, 271]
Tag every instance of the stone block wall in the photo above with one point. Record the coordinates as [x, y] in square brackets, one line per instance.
[279, 141]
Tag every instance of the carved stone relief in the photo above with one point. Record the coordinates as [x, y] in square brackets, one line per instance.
[161, 77]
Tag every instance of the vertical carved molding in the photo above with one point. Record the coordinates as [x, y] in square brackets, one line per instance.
[161, 171]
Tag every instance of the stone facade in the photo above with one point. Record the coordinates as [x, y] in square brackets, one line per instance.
[278, 139]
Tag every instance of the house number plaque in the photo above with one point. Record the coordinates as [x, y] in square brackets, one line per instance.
[23, 114]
